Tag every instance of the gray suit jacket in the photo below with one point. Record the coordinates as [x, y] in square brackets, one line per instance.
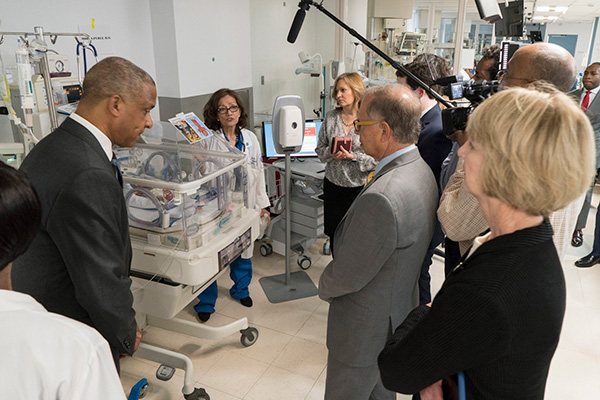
[78, 264]
[379, 248]
[593, 113]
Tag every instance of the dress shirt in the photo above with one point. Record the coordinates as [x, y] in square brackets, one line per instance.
[593, 94]
[392, 156]
[98, 134]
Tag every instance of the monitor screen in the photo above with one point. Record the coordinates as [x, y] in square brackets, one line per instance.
[511, 24]
[311, 132]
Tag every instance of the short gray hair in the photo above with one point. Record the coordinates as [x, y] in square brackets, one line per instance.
[399, 107]
[115, 76]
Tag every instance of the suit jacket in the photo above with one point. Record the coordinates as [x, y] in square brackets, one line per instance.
[433, 145]
[379, 248]
[593, 113]
[78, 264]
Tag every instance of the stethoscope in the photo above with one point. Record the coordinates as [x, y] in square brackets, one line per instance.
[84, 46]
[234, 144]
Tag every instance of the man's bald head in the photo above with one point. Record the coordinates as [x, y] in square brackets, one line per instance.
[543, 61]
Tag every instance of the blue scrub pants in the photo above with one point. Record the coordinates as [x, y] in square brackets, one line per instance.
[240, 272]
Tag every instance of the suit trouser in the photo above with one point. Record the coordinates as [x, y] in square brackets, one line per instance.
[240, 272]
[585, 209]
[354, 383]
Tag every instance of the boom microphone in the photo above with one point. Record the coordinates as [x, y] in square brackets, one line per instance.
[297, 23]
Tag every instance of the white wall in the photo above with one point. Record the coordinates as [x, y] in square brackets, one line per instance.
[583, 30]
[213, 45]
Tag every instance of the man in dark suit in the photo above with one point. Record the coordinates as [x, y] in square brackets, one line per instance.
[588, 100]
[379, 246]
[433, 145]
[78, 264]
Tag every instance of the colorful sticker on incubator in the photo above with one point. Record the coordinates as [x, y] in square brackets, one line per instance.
[168, 195]
[190, 126]
[198, 125]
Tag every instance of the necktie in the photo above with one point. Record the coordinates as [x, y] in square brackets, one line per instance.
[370, 176]
[117, 170]
[586, 101]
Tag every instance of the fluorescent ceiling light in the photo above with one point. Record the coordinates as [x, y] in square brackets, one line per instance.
[551, 9]
[538, 18]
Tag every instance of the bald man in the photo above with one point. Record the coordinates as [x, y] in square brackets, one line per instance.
[78, 264]
[459, 212]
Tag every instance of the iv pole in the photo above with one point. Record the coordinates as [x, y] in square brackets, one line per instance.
[44, 65]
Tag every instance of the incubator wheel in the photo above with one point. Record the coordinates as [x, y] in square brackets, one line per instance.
[304, 262]
[249, 336]
[266, 249]
[143, 391]
[197, 394]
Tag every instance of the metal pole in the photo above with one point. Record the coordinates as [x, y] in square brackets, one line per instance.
[45, 70]
[460, 33]
[288, 216]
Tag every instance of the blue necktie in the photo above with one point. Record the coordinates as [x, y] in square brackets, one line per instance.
[117, 170]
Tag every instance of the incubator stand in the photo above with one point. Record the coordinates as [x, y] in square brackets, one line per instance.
[188, 217]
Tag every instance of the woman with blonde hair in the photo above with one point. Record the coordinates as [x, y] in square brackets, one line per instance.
[498, 315]
[346, 171]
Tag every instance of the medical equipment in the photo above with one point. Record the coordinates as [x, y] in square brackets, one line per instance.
[25, 71]
[288, 116]
[189, 219]
[310, 65]
[83, 46]
[35, 50]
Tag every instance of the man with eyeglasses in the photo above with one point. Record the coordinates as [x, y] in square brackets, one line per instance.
[459, 212]
[380, 243]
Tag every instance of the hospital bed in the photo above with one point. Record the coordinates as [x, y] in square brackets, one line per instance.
[189, 218]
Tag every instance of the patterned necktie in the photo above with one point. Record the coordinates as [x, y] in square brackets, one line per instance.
[117, 170]
[370, 176]
[586, 101]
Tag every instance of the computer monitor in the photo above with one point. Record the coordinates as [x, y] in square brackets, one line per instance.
[311, 132]
[511, 24]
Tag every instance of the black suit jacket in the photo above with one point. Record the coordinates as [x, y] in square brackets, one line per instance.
[78, 264]
[433, 145]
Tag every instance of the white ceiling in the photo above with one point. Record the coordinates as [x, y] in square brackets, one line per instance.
[579, 10]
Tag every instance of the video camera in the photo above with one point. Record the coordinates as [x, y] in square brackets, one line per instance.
[455, 119]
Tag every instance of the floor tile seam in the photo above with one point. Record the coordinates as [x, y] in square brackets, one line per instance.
[315, 383]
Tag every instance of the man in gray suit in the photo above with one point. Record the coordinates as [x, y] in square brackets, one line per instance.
[78, 264]
[589, 101]
[379, 246]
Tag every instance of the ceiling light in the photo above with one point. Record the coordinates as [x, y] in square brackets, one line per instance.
[539, 18]
[551, 9]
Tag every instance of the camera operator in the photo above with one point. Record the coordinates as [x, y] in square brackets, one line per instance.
[459, 213]
[433, 145]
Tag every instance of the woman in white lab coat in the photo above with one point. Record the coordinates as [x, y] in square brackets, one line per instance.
[225, 115]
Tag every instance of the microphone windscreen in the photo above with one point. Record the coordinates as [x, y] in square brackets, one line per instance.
[296, 25]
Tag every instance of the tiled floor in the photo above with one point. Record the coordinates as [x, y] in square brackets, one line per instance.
[288, 361]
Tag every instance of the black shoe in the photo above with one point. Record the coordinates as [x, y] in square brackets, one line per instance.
[587, 261]
[204, 316]
[246, 301]
[577, 239]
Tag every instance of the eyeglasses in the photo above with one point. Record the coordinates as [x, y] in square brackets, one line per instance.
[503, 75]
[225, 110]
[357, 124]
